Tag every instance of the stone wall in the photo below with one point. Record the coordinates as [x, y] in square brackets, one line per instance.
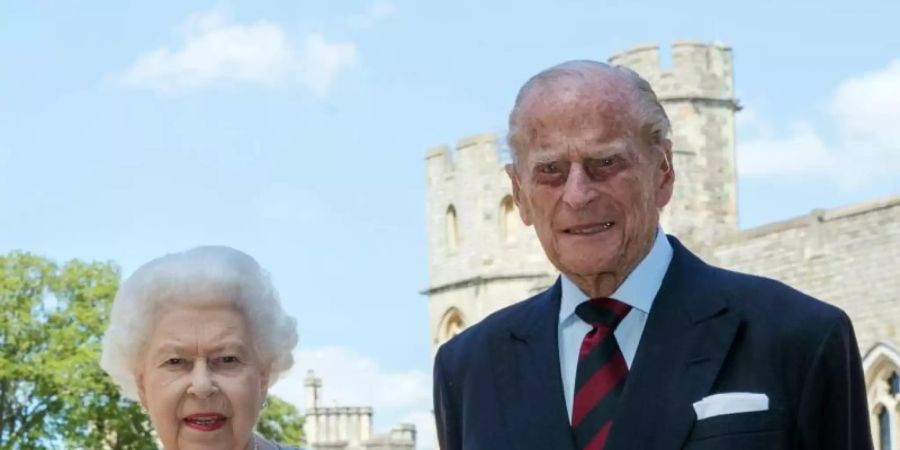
[849, 257]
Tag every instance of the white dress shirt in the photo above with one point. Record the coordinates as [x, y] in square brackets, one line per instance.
[638, 291]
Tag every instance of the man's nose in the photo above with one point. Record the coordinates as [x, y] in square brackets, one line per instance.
[579, 189]
[201, 381]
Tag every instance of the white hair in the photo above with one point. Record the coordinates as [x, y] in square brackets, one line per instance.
[202, 276]
[645, 108]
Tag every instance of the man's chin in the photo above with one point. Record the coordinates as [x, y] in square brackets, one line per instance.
[587, 269]
[584, 259]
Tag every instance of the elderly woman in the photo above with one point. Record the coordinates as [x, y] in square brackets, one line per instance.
[198, 338]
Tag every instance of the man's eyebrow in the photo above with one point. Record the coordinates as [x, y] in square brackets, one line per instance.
[544, 158]
[603, 151]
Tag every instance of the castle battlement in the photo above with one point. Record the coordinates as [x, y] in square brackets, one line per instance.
[330, 410]
[476, 141]
[472, 154]
[699, 71]
[824, 216]
[347, 427]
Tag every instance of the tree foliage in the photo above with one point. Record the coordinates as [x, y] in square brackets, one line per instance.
[52, 391]
[280, 421]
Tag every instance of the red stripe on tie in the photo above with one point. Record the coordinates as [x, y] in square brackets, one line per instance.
[599, 440]
[593, 339]
[600, 383]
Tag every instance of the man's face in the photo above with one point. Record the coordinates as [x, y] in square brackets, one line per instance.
[592, 187]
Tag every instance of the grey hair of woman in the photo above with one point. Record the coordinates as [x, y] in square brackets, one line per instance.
[203, 276]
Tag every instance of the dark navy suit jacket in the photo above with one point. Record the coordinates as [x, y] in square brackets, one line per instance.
[497, 385]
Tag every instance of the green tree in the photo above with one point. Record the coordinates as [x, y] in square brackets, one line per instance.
[280, 421]
[52, 390]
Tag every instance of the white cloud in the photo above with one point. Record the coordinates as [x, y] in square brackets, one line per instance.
[350, 379]
[801, 153]
[324, 61]
[216, 50]
[869, 106]
[378, 11]
[862, 112]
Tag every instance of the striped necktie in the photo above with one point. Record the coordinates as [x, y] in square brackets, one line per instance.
[601, 373]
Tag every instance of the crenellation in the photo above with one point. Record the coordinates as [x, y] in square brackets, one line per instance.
[477, 140]
[641, 58]
[349, 427]
[476, 155]
[699, 71]
[438, 164]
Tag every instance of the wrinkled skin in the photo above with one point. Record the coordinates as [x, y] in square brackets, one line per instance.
[202, 360]
[589, 177]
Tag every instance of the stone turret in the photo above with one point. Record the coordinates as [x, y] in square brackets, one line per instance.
[480, 254]
[697, 92]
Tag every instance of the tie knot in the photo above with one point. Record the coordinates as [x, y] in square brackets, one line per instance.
[606, 312]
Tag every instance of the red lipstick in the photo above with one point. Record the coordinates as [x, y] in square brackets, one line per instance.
[205, 421]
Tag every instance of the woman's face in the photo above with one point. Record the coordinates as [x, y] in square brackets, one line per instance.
[201, 380]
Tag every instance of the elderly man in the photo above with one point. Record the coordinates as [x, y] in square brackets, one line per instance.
[639, 344]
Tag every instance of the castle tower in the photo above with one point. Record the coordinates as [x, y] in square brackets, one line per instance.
[480, 255]
[697, 93]
[344, 427]
[313, 387]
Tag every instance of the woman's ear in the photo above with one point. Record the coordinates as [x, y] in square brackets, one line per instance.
[142, 393]
[264, 388]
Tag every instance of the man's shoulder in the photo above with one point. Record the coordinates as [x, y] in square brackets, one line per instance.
[765, 299]
[757, 298]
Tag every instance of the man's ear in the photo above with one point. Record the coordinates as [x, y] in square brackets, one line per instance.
[666, 169]
[521, 205]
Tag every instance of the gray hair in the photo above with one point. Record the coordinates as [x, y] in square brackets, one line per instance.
[645, 108]
[211, 275]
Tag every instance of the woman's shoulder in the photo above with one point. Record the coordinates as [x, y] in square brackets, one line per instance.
[285, 447]
[274, 445]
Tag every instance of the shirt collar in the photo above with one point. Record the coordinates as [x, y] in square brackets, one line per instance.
[640, 286]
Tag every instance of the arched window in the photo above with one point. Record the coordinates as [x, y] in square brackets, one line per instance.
[452, 229]
[894, 384]
[508, 219]
[881, 367]
[884, 429]
[451, 325]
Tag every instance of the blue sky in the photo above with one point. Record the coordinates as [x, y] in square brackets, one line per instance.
[296, 131]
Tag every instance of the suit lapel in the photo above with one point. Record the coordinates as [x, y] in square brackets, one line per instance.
[529, 385]
[687, 336]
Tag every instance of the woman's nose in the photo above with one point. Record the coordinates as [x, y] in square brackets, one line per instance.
[201, 381]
